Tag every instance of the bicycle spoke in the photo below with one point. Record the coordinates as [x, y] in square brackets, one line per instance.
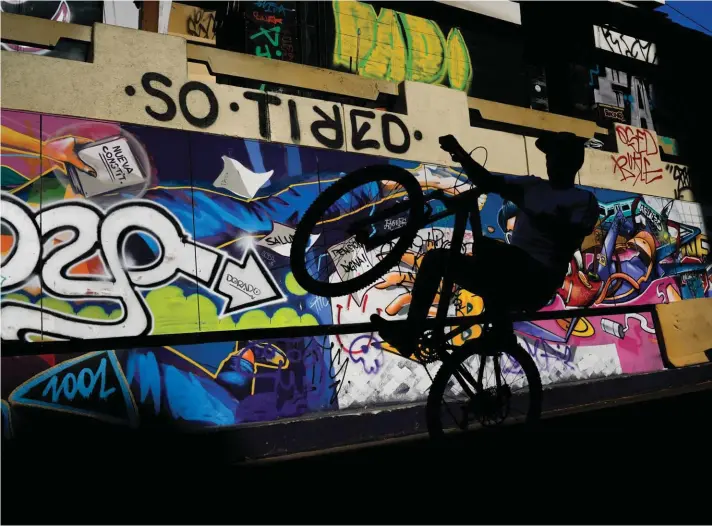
[497, 371]
[494, 401]
[333, 229]
[519, 370]
[481, 371]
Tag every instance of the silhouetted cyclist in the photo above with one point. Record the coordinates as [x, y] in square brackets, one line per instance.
[554, 218]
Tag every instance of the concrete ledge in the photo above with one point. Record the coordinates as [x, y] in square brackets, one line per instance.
[529, 118]
[290, 74]
[162, 443]
[33, 30]
[324, 431]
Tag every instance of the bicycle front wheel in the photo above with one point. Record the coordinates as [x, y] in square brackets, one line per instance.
[484, 383]
[357, 230]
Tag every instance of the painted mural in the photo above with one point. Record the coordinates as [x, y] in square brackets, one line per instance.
[391, 45]
[119, 230]
[271, 29]
[442, 46]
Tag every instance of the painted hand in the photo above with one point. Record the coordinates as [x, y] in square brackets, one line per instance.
[64, 150]
[405, 278]
[467, 303]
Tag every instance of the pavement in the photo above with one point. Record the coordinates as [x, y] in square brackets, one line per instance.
[627, 464]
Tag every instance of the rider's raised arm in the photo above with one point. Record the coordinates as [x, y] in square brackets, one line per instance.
[480, 176]
[511, 190]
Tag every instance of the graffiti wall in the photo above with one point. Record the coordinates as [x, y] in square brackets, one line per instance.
[620, 97]
[113, 230]
[396, 46]
[450, 48]
[271, 30]
[612, 41]
[192, 21]
[69, 11]
[609, 95]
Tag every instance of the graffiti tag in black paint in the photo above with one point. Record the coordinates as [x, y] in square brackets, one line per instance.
[326, 127]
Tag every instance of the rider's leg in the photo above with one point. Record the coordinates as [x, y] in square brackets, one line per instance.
[500, 273]
[428, 280]
[488, 273]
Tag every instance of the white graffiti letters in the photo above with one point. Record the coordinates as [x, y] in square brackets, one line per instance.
[74, 232]
[84, 222]
[17, 266]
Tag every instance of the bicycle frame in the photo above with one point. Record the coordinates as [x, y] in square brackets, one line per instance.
[438, 343]
[463, 206]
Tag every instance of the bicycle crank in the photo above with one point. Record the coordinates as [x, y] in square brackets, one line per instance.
[426, 350]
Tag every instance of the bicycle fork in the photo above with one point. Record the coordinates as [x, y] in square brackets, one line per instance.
[445, 294]
[466, 379]
[458, 236]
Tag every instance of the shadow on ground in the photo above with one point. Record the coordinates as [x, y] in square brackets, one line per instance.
[642, 463]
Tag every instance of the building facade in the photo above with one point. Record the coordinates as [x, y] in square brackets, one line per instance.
[210, 136]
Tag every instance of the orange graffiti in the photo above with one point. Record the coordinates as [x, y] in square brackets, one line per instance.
[270, 19]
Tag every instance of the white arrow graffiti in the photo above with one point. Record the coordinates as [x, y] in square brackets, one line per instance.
[106, 233]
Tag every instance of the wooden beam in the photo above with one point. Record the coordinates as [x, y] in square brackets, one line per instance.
[40, 31]
[686, 330]
[541, 120]
[223, 62]
[149, 15]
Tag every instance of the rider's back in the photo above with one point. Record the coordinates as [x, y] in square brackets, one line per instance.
[553, 222]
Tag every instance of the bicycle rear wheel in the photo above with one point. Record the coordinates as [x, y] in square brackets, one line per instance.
[455, 400]
[357, 230]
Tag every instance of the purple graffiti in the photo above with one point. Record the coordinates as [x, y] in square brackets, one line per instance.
[543, 354]
[359, 352]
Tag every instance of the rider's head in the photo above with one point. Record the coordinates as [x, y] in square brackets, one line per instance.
[564, 157]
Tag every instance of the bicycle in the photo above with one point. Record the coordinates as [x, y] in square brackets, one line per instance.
[370, 226]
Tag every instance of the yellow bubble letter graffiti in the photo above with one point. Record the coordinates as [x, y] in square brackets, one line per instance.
[355, 33]
[388, 57]
[397, 46]
[459, 66]
[426, 49]
[370, 46]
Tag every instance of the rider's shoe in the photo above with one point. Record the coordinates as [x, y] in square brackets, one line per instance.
[402, 338]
